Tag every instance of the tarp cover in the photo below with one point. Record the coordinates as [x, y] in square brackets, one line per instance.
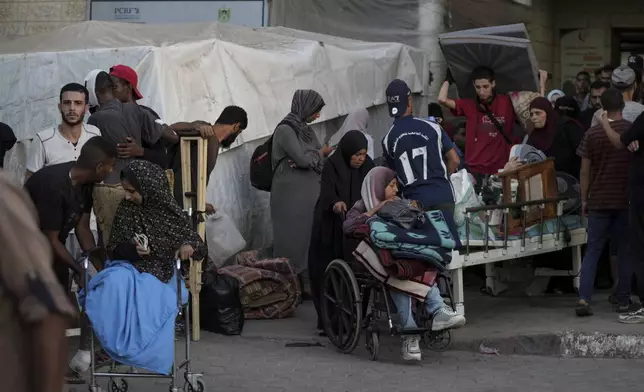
[505, 49]
[192, 71]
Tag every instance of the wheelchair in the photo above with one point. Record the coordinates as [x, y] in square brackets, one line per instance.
[353, 301]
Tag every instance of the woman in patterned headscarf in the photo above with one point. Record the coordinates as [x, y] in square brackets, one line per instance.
[149, 208]
[298, 157]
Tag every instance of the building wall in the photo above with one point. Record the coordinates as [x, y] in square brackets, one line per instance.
[26, 17]
[596, 14]
[541, 28]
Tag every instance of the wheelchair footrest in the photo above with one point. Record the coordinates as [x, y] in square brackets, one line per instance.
[410, 331]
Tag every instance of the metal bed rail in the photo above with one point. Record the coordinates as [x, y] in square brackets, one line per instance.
[505, 208]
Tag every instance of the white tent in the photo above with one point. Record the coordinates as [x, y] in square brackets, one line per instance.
[192, 71]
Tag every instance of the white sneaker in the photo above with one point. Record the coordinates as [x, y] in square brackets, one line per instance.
[636, 317]
[411, 348]
[81, 361]
[446, 318]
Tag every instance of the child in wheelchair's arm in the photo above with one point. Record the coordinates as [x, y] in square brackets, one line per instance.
[379, 188]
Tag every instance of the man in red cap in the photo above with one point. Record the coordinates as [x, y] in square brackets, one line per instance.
[222, 133]
[126, 83]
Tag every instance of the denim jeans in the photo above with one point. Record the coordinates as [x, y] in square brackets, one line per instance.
[602, 226]
[433, 302]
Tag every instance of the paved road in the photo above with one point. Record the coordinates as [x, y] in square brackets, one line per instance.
[250, 365]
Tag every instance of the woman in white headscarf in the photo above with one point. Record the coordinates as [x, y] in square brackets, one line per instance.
[554, 95]
[357, 120]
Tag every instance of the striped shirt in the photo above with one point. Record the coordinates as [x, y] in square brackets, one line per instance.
[608, 188]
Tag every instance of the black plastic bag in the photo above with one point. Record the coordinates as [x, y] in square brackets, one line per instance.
[220, 306]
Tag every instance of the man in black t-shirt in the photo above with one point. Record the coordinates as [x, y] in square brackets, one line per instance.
[62, 195]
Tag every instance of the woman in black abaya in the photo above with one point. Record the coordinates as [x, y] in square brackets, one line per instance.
[341, 183]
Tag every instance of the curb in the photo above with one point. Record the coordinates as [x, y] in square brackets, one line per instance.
[567, 344]
[602, 345]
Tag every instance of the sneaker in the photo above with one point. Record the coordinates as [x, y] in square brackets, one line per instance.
[446, 318]
[630, 308]
[411, 348]
[633, 318]
[583, 309]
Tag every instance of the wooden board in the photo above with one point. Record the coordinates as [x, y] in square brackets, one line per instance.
[194, 205]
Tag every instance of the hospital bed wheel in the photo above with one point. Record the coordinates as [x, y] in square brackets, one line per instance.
[438, 341]
[372, 341]
[112, 386]
[198, 386]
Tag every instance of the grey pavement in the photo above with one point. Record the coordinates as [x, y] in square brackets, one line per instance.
[260, 359]
[514, 325]
[253, 365]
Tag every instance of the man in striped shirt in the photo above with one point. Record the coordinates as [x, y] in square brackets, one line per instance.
[604, 195]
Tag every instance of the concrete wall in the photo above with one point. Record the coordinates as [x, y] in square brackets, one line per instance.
[26, 17]
[541, 29]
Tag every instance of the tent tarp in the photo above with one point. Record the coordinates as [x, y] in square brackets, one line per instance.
[192, 71]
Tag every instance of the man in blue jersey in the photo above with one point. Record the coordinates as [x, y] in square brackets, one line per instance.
[416, 149]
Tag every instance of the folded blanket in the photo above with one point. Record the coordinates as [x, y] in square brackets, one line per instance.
[424, 259]
[367, 256]
[403, 268]
[133, 315]
[436, 231]
[269, 288]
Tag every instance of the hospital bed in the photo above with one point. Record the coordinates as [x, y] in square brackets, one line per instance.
[546, 236]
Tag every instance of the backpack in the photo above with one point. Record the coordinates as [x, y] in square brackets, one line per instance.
[261, 163]
[261, 166]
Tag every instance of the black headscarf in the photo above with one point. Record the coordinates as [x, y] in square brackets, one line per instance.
[568, 106]
[340, 182]
[159, 217]
[349, 180]
[305, 104]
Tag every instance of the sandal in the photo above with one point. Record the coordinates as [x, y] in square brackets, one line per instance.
[583, 309]
[73, 377]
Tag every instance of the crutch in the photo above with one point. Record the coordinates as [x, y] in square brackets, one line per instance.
[194, 201]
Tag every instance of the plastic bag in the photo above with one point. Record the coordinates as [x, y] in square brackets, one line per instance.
[223, 238]
[464, 195]
[465, 198]
[220, 307]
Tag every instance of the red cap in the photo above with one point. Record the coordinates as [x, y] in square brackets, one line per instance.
[129, 75]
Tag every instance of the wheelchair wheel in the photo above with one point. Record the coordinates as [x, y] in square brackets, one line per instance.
[341, 306]
[373, 344]
[112, 386]
[438, 341]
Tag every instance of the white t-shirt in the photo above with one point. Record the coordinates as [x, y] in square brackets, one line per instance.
[49, 147]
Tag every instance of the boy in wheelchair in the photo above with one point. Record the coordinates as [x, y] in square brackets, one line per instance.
[378, 189]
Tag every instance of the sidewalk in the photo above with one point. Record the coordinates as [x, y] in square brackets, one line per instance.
[526, 326]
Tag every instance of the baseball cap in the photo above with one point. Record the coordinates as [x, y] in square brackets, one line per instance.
[129, 75]
[90, 85]
[397, 93]
[636, 62]
[623, 77]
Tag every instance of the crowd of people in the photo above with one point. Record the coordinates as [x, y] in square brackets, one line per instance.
[319, 190]
[593, 134]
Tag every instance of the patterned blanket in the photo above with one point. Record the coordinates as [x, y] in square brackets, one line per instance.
[268, 288]
[432, 243]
